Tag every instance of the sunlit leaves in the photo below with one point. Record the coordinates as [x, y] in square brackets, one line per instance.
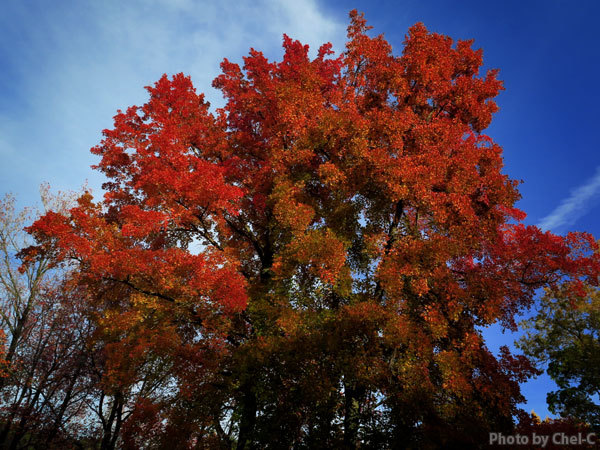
[339, 230]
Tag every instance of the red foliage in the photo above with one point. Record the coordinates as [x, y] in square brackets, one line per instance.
[339, 200]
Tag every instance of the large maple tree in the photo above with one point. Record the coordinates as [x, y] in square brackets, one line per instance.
[312, 265]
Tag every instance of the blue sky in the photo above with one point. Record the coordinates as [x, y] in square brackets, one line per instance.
[67, 66]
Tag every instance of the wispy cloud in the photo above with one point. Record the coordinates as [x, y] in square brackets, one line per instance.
[574, 206]
[67, 69]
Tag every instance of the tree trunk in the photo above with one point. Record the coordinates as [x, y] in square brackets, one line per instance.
[110, 435]
[352, 394]
[248, 419]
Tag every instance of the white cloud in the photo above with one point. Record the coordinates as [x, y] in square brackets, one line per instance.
[76, 63]
[574, 206]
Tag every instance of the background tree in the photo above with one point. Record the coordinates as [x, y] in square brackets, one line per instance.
[532, 423]
[43, 401]
[355, 231]
[42, 317]
[564, 336]
[20, 289]
[58, 383]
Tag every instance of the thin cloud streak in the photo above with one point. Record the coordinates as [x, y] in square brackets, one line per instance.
[574, 206]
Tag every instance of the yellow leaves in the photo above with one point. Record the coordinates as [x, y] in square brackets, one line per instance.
[436, 321]
[134, 335]
[413, 371]
[289, 212]
[398, 191]
[453, 373]
[454, 309]
[323, 252]
[331, 175]
[419, 286]
[289, 321]
[406, 265]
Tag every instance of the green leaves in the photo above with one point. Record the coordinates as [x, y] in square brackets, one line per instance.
[564, 336]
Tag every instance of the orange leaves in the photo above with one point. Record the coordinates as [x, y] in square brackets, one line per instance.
[290, 322]
[133, 337]
[437, 321]
[331, 175]
[341, 221]
[453, 373]
[446, 77]
[289, 211]
[323, 252]
[319, 251]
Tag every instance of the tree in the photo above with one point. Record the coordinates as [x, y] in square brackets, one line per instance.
[532, 424]
[42, 321]
[564, 334]
[57, 383]
[313, 263]
[44, 398]
[19, 289]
